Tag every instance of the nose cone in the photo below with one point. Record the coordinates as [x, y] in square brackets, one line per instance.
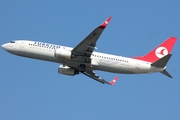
[8, 47]
[3, 46]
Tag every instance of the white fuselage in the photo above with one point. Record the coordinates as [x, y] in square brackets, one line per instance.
[99, 61]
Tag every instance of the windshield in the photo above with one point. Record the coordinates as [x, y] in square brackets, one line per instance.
[12, 42]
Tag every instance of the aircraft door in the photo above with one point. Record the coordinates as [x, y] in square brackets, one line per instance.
[22, 44]
[137, 65]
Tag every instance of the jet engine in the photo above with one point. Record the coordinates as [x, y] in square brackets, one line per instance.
[63, 53]
[67, 70]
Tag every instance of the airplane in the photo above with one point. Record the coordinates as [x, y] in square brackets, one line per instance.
[83, 59]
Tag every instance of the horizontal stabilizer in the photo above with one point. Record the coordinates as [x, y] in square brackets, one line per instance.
[166, 73]
[161, 63]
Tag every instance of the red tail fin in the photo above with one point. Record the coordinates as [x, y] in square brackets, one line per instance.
[160, 51]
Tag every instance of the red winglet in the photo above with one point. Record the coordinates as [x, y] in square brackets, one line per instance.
[114, 80]
[105, 23]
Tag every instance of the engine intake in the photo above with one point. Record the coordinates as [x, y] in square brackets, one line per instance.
[67, 70]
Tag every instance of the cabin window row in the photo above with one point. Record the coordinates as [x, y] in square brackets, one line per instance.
[42, 46]
[110, 58]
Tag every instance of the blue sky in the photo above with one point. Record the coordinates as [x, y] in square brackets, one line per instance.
[33, 89]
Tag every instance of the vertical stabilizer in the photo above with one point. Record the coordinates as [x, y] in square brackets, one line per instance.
[160, 51]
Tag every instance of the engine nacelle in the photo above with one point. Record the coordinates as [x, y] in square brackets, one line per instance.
[63, 53]
[67, 70]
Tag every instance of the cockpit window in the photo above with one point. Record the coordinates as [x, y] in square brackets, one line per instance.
[12, 42]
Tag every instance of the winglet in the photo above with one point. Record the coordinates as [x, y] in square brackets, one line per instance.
[105, 23]
[114, 80]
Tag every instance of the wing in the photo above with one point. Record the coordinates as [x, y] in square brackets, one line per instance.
[87, 46]
[82, 53]
[94, 76]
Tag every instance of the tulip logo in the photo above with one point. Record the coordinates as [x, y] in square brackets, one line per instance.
[161, 52]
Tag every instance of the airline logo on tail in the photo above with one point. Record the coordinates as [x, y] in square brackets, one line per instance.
[161, 52]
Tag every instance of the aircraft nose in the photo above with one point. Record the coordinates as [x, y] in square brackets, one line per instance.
[3, 46]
